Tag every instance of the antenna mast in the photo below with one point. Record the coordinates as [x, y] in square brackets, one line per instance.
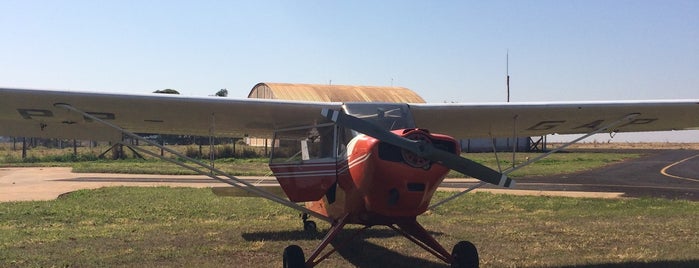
[507, 72]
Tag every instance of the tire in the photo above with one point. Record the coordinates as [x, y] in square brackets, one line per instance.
[465, 255]
[310, 227]
[293, 257]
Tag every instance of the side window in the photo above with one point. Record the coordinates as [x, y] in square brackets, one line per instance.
[344, 136]
[304, 144]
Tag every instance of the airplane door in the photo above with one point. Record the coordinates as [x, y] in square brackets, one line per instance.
[304, 161]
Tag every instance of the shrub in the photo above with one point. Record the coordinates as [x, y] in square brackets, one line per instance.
[225, 151]
[192, 152]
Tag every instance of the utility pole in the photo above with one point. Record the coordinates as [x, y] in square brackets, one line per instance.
[514, 126]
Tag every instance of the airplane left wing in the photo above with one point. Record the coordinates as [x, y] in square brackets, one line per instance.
[33, 113]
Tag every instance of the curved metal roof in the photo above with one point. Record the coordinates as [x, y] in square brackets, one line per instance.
[334, 93]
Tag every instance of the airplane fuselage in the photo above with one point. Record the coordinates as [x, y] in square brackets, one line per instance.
[374, 183]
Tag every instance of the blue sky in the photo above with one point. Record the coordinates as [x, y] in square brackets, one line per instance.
[443, 50]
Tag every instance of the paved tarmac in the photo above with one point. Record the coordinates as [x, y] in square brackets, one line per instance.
[672, 174]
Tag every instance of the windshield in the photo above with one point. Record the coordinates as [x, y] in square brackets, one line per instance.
[390, 116]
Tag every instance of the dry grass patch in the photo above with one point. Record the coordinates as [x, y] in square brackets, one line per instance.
[165, 227]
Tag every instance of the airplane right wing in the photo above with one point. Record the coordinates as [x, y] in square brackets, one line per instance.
[536, 119]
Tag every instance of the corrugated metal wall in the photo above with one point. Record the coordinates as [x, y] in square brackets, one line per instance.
[334, 93]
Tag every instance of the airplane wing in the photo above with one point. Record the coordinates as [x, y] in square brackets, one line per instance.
[32, 113]
[536, 119]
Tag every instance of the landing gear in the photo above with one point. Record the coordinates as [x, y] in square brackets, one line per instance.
[309, 226]
[293, 257]
[465, 255]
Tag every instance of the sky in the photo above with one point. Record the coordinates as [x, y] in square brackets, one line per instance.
[446, 51]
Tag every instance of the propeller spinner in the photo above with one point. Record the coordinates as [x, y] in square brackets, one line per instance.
[421, 149]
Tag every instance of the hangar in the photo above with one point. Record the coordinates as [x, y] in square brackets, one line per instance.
[333, 93]
[347, 93]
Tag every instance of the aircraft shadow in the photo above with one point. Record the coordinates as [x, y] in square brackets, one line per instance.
[654, 264]
[358, 251]
[282, 236]
[375, 232]
[362, 253]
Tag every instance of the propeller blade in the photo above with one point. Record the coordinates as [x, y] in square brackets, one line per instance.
[421, 149]
[468, 167]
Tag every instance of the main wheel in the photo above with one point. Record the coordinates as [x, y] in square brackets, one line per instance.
[465, 254]
[293, 257]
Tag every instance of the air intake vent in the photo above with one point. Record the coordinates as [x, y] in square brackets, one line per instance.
[416, 187]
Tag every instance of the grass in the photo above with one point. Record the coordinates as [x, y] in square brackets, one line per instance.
[165, 227]
[559, 163]
[87, 162]
[555, 164]
[233, 166]
[183, 227]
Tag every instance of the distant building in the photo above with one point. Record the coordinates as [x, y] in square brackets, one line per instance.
[345, 93]
[328, 93]
[333, 93]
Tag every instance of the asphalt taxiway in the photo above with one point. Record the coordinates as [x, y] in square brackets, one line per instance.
[672, 174]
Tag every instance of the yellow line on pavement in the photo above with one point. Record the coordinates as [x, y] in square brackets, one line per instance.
[664, 170]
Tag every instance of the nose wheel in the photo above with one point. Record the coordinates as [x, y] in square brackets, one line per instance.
[308, 226]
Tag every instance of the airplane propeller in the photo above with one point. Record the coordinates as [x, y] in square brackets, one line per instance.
[421, 148]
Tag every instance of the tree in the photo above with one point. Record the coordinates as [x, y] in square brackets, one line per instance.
[167, 91]
[222, 93]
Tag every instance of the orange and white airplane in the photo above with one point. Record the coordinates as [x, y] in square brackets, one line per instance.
[352, 163]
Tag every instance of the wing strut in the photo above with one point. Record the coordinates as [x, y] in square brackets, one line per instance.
[214, 172]
[611, 125]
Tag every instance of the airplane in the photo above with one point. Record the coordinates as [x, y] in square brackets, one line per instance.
[365, 163]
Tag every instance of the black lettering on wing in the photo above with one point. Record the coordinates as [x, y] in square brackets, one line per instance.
[31, 113]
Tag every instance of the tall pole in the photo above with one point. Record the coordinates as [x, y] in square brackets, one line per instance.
[514, 122]
[507, 72]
